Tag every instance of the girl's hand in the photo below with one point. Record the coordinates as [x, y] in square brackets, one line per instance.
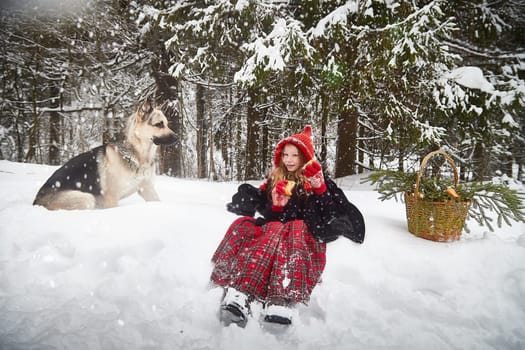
[281, 194]
[314, 175]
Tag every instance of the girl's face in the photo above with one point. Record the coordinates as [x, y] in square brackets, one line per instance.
[291, 157]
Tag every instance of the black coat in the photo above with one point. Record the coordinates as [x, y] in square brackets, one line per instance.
[328, 215]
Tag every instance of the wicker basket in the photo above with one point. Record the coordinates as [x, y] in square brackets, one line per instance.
[440, 221]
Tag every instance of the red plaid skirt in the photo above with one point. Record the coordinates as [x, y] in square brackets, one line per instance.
[274, 261]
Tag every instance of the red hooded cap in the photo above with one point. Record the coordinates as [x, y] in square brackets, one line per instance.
[303, 141]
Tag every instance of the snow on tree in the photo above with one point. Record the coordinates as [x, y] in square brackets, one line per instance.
[380, 81]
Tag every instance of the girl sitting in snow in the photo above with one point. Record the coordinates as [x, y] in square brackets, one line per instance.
[278, 257]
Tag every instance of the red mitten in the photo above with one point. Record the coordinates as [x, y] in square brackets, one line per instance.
[281, 194]
[314, 175]
[285, 187]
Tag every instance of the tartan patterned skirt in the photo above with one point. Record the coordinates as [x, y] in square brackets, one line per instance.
[275, 261]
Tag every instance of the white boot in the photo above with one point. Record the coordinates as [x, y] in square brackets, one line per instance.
[235, 307]
[278, 314]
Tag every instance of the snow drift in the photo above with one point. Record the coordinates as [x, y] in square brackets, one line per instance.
[136, 277]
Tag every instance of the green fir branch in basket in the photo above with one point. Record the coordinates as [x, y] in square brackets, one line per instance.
[507, 203]
[391, 183]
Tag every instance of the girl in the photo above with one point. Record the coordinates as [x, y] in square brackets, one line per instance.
[278, 257]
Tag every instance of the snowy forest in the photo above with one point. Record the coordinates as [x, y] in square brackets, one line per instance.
[381, 82]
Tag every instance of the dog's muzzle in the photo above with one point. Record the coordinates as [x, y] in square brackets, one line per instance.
[165, 140]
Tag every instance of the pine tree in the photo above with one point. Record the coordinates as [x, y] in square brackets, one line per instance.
[485, 115]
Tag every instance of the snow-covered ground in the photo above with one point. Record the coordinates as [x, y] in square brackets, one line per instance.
[136, 277]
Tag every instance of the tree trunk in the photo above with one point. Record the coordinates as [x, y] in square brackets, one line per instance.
[507, 163]
[360, 148]
[240, 152]
[479, 162]
[112, 128]
[225, 139]
[34, 132]
[201, 132]
[324, 124]
[54, 138]
[265, 150]
[252, 139]
[213, 170]
[54, 127]
[167, 96]
[346, 143]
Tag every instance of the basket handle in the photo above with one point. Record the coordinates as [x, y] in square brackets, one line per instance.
[424, 165]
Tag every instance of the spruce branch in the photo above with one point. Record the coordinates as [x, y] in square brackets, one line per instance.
[507, 203]
[391, 183]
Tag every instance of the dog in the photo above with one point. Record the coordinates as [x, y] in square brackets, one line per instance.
[104, 175]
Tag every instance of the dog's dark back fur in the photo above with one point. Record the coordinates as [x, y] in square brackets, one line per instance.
[80, 174]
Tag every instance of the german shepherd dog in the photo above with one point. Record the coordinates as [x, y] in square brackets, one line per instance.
[102, 176]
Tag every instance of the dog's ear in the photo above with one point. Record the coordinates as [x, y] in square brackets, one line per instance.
[145, 109]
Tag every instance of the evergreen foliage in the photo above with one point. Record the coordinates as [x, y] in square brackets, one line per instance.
[380, 81]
